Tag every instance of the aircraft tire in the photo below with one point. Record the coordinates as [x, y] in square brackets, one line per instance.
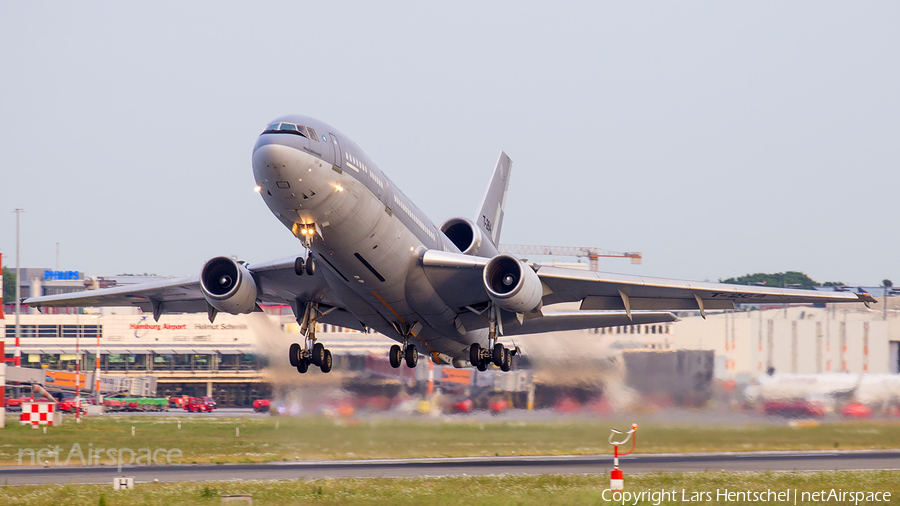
[294, 354]
[396, 356]
[475, 354]
[302, 366]
[412, 356]
[482, 366]
[327, 362]
[497, 355]
[310, 265]
[318, 354]
[298, 266]
[506, 364]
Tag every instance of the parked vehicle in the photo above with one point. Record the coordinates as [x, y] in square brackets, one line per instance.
[121, 403]
[177, 401]
[14, 404]
[200, 405]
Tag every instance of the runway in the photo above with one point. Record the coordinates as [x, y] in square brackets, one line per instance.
[471, 466]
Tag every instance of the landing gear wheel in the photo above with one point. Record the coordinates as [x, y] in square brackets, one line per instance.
[294, 354]
[507, 361]
[326, 361]
[298, 266]
[482, 366]
[412, 356]
[318, 354]
[396, 356]
[475, 354]
[310, 265]
[302, 366]
[497, 356]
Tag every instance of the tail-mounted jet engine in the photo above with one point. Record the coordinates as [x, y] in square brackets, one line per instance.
[468, 238]
[228, 286]
[512, 285]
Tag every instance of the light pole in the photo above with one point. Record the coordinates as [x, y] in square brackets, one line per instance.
[80, 329]
[97, 363]
[18, 352]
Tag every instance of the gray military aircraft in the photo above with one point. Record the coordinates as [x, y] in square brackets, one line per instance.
[374, 261]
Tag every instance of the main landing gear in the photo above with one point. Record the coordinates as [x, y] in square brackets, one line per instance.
[407, 352]
[495, 353]
[499, 355]
[312, 352]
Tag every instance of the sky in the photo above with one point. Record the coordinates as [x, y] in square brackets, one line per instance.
[717, 138]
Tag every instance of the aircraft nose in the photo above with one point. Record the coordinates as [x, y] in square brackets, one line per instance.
[287, 174]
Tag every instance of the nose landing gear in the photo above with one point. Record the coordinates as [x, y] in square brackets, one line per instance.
[306, 232]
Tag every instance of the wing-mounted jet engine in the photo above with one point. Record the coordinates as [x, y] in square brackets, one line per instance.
[512, 285]
[468, 238]
[228, 286]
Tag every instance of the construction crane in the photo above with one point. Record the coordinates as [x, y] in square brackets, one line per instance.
[569, 251]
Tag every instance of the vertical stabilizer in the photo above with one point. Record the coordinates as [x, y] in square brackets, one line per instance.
[490, 215]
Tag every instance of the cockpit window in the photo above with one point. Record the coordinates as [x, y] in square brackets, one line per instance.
[291, 128]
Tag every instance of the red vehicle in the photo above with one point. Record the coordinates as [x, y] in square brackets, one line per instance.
[261, 405]
[113, 404]
[462, 406]
[794, 409]
[200, 405]
[15, 404]
[178, 401]
[856, 410]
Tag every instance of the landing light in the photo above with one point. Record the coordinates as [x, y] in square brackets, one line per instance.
[257, 188]
[338, 187]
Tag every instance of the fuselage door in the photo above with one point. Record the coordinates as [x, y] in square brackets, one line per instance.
[338, 154]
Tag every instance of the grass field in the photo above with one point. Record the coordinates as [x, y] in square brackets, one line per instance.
[204, 440]
[471, 491]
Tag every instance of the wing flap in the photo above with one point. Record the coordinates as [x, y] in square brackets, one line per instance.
[593, 302]
[586, 320]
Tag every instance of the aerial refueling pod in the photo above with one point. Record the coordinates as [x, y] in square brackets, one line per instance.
[512, 285]
[468, 238]
[228, 286]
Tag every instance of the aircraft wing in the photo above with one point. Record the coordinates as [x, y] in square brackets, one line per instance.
[458, 279]
[276, 281]
[600, 290]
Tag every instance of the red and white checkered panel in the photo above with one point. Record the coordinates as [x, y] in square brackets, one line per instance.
[37, 413]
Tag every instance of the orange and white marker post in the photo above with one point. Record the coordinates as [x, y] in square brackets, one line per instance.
[617, 478]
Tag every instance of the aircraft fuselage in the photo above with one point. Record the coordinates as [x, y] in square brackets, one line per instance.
[364, 230]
